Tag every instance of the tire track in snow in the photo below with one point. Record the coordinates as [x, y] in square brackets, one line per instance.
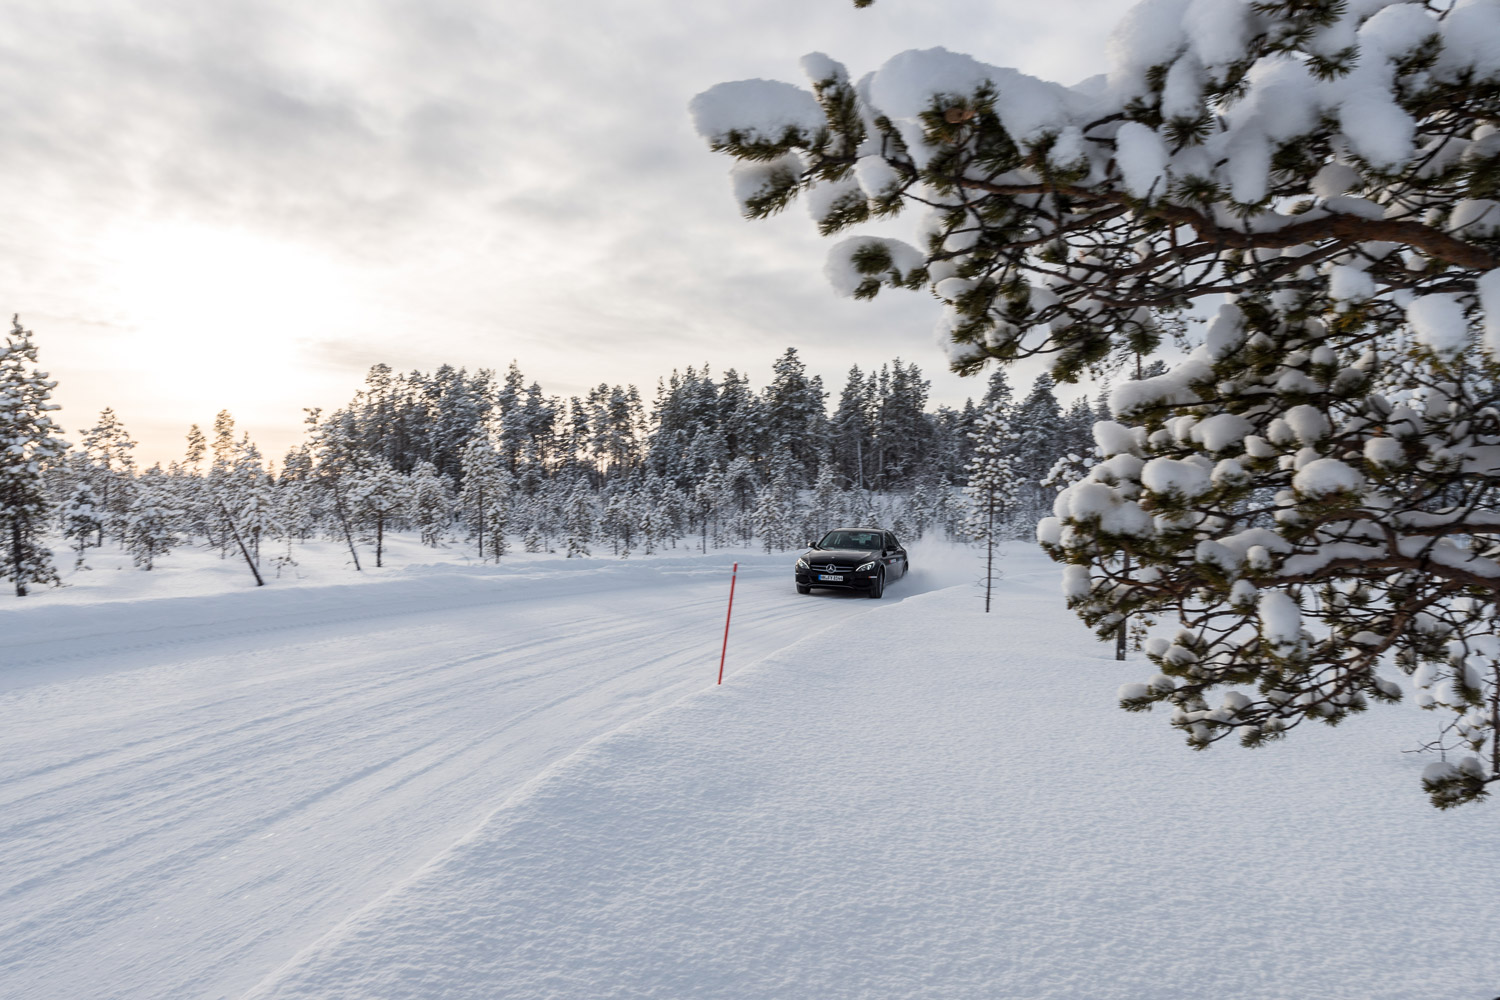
[550, 772]
[362, 689]
[184, 827]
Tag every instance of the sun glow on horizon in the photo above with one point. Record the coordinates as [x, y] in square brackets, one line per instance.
[223, 309]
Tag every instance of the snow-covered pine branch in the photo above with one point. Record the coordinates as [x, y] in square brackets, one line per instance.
[1312, 494]
[1231, 147]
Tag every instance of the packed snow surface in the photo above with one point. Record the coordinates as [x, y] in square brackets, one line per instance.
[523, 783]
[192, 788]
[955, 812]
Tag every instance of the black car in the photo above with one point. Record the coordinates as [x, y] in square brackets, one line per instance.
[852, 559]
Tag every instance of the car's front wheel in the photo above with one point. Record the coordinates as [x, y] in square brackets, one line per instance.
[803, 590]
[878, 587]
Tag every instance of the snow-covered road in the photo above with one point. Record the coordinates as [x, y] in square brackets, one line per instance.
[969, 818]
[480, 783]
[193, 789]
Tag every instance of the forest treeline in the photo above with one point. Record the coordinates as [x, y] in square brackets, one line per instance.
[878, 436]
[497, 463]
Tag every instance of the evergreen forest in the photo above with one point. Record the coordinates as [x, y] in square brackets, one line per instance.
[492, 461]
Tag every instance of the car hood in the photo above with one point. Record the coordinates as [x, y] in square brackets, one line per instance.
[851, 557]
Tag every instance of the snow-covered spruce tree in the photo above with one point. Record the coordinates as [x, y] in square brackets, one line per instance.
[652, 525]
[581, 519]
[151, 523]
[919, 509]
[295, 507]
[1038, 427]
[532, 540]
[197, 447]
[81, 521]
[827, 506]
[431, 509]
[28, 442]
[706, 497]
[219, 490]
[792, 408]
[775, 513]
[993, 487]
[108, 445]
[900, 431]
[377, 498]
[850, 429]
[495, 516]
[484, 484]
[620, 519]
[243, 492]
[1312, 495]
[255, 516]
[673, 505]
[735, 502]
[200, 513]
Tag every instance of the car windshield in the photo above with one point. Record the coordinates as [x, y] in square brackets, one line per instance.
[850, 540]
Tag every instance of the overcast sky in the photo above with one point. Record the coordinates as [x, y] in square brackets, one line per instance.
[243, 205]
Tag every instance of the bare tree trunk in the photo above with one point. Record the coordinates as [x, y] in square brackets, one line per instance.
[241, 543]
[479, 520]
[103, 512]
[15, 553]
[379, 537]
[338, 507]
[989, 557]
[1495, 720]
[1120, 635]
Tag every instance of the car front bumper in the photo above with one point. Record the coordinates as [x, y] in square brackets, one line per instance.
[851, 581]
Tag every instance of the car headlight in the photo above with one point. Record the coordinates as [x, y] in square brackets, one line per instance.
[865, 567]
[802, 564]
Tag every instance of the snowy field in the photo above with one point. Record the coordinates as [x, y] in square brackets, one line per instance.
[440, 780]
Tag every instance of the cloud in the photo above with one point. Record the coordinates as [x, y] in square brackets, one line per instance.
[505, 180]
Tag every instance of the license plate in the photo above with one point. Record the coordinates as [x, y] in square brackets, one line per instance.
[831, 577]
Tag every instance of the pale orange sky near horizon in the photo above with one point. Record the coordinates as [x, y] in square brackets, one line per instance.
[246, 205]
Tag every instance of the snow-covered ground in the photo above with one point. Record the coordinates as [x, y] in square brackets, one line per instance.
[470, 782]
[194, 787]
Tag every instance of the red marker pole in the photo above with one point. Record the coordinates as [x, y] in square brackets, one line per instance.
[732, 577]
